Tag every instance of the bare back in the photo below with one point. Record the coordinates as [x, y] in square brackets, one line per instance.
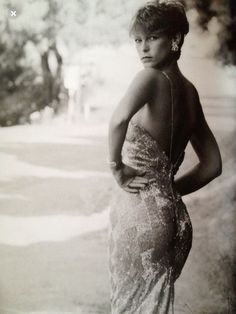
[155, 116]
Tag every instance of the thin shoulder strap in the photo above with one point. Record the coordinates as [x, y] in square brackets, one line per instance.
[172, 113]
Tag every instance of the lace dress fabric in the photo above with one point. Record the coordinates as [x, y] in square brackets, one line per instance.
[149, 233]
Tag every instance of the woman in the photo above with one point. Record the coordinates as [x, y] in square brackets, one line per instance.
[150, 232]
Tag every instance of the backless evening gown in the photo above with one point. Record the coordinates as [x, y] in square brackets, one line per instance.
[149, 232]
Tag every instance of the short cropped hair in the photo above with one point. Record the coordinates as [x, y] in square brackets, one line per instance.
[167, 16]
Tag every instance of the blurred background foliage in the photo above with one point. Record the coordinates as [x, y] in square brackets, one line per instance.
[224, 12]
[31, 67]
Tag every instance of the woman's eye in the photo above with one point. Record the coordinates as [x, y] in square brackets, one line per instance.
[153, 38]
[137, 40]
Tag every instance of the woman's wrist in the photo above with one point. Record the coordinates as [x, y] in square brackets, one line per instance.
[115, 164]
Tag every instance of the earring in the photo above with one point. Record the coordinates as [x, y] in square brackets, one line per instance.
[174, 46]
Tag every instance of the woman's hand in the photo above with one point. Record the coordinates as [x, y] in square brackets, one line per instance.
[130, 179]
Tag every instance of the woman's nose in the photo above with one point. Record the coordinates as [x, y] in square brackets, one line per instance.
[145, 46]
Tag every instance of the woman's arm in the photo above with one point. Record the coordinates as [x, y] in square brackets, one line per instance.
[207, 150]
[138, 94]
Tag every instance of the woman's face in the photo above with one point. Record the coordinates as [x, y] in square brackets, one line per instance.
[154, 49]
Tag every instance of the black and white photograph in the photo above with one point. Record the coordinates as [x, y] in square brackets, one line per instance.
[117, 157]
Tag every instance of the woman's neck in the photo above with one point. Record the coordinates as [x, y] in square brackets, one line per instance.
[172, 68]
[169, 66]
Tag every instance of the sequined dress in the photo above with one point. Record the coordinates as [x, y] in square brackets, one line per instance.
[149, 233]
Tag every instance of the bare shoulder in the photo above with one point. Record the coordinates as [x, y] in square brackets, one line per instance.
[193, 95]
[146, 82]
[192, 90]
[150, 76]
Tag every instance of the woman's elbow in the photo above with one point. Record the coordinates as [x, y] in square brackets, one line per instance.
[215, 168]
[219, 170]
[118, 120]
[219, 165]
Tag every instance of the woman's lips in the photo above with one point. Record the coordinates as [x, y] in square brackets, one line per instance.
[146, 59]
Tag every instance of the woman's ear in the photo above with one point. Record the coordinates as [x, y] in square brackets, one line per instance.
[177, 38]
[176, 42]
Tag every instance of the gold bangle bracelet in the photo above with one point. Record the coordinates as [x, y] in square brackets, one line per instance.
[113, 163]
